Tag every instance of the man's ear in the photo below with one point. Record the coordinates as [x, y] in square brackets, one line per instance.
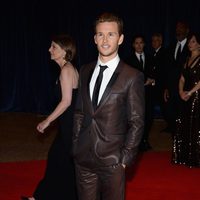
[95, 39]
[121, 39]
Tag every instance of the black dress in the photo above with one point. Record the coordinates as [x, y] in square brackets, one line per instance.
[59, 179]
[186, 143]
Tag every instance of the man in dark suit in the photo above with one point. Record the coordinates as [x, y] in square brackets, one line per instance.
[109, 119]
[159, 71]
[176, 57]
[142, 61]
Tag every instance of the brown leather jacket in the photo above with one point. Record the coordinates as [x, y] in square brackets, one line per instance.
[112, 133]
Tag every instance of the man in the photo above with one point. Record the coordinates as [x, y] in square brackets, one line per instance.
[142, 61]
[159, 70]
[176, 58]
[109, 120]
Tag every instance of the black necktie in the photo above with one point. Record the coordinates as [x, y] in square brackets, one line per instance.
[178, 53]
[97, 86]
[141, 61]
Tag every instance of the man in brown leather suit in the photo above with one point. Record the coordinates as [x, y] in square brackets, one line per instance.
[109, 118]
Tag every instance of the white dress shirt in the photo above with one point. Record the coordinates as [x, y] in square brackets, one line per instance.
[138, 57]
[156, 51]
[107, 74]
[182, 43]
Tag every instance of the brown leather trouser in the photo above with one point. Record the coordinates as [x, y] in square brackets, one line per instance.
[102, 183]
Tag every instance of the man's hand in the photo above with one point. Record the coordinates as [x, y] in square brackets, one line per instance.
[124, 166]
[150, 81]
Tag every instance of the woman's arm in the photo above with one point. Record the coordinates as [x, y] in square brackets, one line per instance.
[181, 84]
[66, 81]
[183, 94]
[194, 89]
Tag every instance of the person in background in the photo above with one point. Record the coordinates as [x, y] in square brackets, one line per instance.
[142, 61]
[186, 143]
[176, 57]
[59, 179]
[109, 117]
[159, 71]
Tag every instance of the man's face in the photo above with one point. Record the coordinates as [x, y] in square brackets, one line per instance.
[181, 31]
[107, 39]
[156, 42]
[138, 45]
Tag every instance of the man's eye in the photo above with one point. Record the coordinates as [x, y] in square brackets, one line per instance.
[99, 34]
[111, 34]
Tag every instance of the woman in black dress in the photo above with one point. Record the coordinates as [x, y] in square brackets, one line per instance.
[59, 179]
[186, 144]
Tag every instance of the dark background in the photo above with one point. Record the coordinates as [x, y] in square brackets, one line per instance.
[27, 74]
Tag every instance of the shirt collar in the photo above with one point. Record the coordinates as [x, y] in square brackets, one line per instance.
[183, 42]
[138, 54]
[112, 64]
[156, 50]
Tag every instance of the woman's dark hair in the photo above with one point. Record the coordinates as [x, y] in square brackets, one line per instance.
[196, 35]
[67, 43]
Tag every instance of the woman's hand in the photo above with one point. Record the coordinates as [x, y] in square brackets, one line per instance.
[42, 125]
[185, 95]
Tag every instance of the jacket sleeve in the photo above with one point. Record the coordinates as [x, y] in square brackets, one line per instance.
[135, 114]
[78, 114]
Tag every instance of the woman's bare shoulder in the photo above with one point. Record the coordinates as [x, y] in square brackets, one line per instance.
[68, 66]
[71, 71]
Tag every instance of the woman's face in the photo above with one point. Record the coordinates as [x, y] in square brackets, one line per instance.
[193, 45]
[56, 51]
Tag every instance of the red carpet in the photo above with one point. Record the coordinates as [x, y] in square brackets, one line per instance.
[154, 178]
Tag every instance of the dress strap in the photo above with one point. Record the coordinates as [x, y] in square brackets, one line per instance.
[193, 62]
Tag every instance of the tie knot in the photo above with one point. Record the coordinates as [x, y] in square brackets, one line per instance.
[102, 68]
